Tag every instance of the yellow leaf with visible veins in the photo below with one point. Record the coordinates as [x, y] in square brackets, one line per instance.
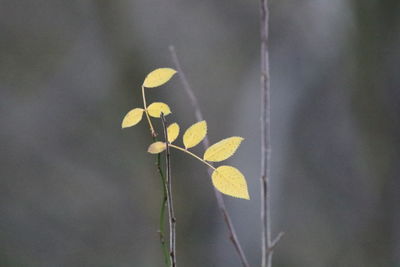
[156, 147]
[173, 132]
[194, 134]
[132, 118]
[156, 108]
[223, 149]
[158, 77]
[230, 181]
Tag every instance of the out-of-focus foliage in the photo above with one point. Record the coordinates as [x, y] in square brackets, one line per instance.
[74, 192]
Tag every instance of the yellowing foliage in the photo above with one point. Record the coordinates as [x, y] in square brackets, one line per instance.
[156, 108]
[230, 181]
[156, 147]
[172, 132]
[223, 149]
[227, 179]
[132, 118]
[158, 77]
[195, 134]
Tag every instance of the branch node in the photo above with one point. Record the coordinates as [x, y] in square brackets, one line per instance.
[275, 241]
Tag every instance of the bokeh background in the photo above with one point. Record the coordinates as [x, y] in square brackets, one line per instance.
[76, 190]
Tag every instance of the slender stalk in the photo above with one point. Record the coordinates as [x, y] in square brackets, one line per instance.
[153, 132]
[168, 187]
[266, 254]
[193, 155]
[162, 210]
[206, 143]
[267, 245]
[163, 182]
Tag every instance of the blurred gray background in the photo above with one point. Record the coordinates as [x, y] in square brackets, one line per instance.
[76, 190]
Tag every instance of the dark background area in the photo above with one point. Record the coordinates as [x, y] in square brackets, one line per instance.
[76, 190]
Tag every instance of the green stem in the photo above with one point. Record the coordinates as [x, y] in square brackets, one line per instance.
[163, 181]
[162, 211]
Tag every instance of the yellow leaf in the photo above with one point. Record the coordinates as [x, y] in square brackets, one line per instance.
[133, 117]
[156, 147]
[230, 181]
[223, 149]
[156, 108]
[194, 134]
[173, 132]
[158, 77]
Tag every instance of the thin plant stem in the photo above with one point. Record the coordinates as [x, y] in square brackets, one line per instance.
[206, 143]
[162, 210]
[266, 254]
[163, 182]
[193, 155]
[168, 187]
[267, 245]
[153, 132]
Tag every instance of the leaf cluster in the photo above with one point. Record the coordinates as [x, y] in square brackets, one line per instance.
[226, 179]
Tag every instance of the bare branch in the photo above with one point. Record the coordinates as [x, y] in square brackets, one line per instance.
[206, 143]
[267, 245]
[162, 210]
[168, 188]
[266, 254]
[276, 241]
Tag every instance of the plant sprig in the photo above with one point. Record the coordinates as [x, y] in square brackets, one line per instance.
[227, 179]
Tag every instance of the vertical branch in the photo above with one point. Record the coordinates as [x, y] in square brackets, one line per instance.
[162, 210]
[163, 182]
[267, 244]
[266, 254]
[168, 188]
[206, 143]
